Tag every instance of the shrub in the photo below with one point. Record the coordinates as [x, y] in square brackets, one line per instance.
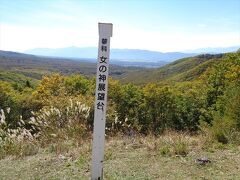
[165, 150]
[180, 148]
[174, 144]
[67, 121]
[17, 142]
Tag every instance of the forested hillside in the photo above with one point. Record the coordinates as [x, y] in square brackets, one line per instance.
[181, 70]
[195, 90]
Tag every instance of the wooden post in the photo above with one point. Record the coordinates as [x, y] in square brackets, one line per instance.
[105, 32]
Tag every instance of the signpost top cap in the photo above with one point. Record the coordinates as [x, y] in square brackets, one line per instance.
[105, 29]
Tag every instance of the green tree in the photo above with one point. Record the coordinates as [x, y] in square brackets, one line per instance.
[9, 104]
[160, 105]
[76, 84]
[226, 117]
[128, 101]
[51, 85]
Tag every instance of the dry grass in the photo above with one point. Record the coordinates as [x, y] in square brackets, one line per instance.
[129, 158]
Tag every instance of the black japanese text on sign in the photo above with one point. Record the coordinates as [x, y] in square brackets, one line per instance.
[102, 69]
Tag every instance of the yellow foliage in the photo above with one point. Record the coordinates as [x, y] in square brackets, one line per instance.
[51, 85]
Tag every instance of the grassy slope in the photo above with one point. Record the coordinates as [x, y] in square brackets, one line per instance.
[124, 159]
[181, 70]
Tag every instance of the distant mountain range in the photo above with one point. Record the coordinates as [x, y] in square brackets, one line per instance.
[128, 57]
[215, 50]
[131, 55]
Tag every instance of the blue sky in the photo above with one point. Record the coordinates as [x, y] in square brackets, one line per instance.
[160, 25]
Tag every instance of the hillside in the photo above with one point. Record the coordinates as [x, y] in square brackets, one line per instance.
[30, 66]
[17, 78]
[35, 66]
[185, 69]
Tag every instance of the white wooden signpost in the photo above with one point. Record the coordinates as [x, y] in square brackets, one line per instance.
[105, 32]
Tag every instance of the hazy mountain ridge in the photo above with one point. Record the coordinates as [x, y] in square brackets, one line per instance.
[133, 55]
[126, 57]
[215, 50]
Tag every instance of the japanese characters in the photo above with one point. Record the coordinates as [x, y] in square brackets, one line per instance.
[102, 72]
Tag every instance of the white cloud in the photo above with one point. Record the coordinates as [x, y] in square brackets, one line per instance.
[172, 41]
[20, 38]
[201, 25]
